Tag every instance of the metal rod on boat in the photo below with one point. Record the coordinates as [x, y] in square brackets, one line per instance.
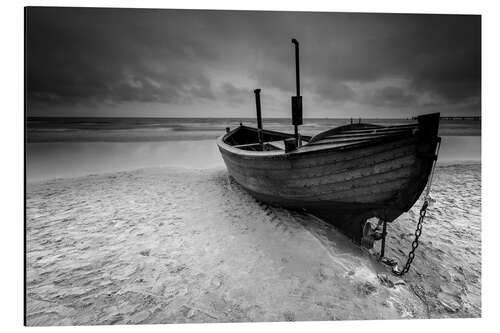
[259, 116]
[384, 235]
[297, 100]
[297, 69]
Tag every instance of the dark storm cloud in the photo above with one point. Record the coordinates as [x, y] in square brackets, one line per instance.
[335, 91]
[233, 94]
[392, 96]
[438, 54]
[85, 56]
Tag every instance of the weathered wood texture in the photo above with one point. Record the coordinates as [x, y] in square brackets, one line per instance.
[357, 170]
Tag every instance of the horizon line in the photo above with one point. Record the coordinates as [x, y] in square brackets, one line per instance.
[132, 117]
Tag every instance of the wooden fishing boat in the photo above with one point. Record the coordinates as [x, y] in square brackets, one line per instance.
[345, 175]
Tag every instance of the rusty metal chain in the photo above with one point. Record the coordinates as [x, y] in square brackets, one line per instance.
[423, 211]
[414, 244]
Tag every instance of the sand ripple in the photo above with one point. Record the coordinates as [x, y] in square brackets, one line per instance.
[173, 246]
[447, 267]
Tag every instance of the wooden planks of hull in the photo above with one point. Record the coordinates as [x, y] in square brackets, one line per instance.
[314, 157]
[334, 180]
[321, 169]
[391, 181]
[352, 172]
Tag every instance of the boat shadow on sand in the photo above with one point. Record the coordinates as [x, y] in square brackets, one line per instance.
[340, 248]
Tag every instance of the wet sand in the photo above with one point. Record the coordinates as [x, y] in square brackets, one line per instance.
[165, 245]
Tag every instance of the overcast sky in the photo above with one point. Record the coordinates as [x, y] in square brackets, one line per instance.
[186, 63]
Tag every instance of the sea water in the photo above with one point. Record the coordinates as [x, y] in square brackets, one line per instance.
[71, 147]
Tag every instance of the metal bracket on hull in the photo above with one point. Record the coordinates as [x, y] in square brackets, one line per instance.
[371, 233]
[384, 235]
[388, 261]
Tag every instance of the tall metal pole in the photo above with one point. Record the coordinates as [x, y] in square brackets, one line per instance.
[259, 116]
[297, 100]
[297, 69]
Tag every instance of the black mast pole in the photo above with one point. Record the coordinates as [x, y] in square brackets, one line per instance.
[297, 69]
[259, 116]
[297, 100]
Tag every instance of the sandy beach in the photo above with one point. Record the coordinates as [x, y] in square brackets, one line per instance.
[173, 245]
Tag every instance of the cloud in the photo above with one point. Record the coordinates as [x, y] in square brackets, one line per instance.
[90, 56]
[392, 96]
[335, 91]
[233, 95]
[78, 56]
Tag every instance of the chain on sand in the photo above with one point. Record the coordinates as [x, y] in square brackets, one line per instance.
[414, 244]
[423, 211]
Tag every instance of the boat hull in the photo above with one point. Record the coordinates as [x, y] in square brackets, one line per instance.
[342, 185]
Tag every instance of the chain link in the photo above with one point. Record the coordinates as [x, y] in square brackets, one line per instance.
[415, 242]
[423, 211]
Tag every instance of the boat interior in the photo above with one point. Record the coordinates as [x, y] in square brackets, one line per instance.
[247, 138]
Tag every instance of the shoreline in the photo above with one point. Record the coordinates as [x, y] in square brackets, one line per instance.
[51, 160]
[112, 173]
[167, 136]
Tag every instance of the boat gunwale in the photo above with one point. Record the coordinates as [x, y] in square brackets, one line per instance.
[312, 149]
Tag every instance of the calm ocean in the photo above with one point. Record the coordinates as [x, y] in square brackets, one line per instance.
[70, 147]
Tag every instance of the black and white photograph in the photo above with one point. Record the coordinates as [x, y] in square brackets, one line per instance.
[235, 166]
